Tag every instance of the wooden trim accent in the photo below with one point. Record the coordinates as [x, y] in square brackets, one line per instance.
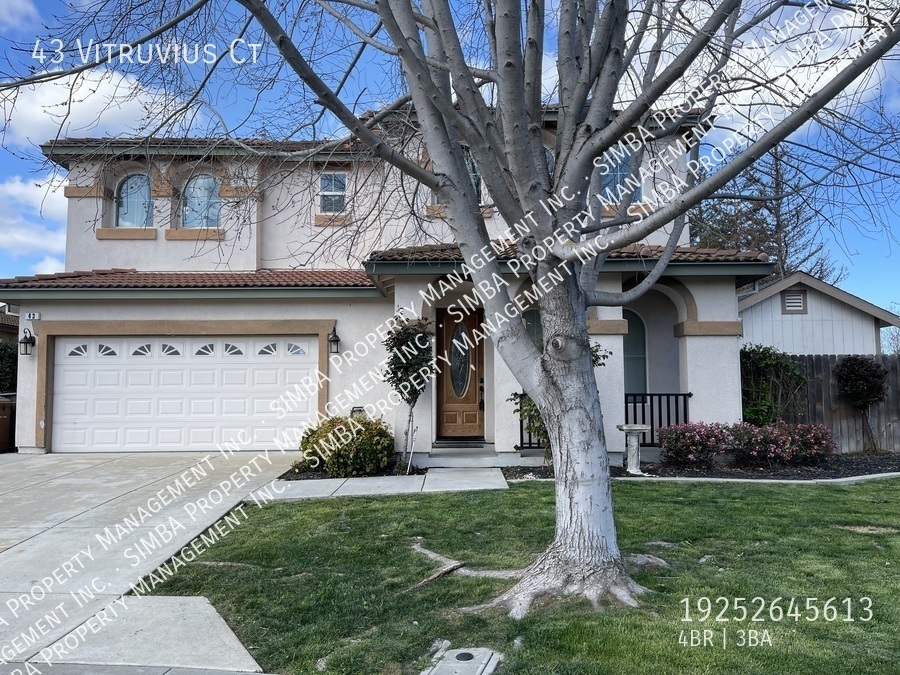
[195, 234]
[125, 233]
[46, 332]
[332, 219]
[96, 191]
[607, 326]
[694, 328]
[435, 211]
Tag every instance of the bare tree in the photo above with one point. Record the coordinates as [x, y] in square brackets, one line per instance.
[629, 75]
[890, 337]
[773, 207]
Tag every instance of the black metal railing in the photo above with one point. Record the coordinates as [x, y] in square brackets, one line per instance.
[526, 440]
[655, 411]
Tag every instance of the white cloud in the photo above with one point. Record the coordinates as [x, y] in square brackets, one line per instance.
[15, 14]
[48, 265]
[97, 103]
[32, 220]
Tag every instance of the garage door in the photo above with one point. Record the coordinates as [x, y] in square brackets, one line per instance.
[177, 393]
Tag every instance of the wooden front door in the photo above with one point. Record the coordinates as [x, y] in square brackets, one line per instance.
[460, 380]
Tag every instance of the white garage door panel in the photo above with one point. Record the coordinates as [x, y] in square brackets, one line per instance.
[114, 394]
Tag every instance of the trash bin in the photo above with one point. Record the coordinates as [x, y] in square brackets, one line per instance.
[7, 425]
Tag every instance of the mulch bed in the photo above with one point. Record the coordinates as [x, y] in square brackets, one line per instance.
[392, 470]
[838, 466]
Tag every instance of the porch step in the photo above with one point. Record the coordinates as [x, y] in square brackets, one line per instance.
[465, 457]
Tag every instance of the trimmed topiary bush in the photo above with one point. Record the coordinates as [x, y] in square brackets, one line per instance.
[862, 383]
[345, 447]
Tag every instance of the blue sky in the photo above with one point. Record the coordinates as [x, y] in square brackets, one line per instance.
[32, 217]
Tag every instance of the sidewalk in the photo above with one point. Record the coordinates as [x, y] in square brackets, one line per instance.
[436, 480]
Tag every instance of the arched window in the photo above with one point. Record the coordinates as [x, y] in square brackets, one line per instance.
[134, 206]
[201, 205]
[635, 350]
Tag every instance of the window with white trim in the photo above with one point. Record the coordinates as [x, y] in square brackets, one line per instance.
[134, 205]
[201, 205]
[332, 192]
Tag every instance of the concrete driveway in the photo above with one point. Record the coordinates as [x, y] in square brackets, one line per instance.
[79, 531]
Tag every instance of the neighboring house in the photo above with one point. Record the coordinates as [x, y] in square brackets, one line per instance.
[222, 270]
[803, 315]
[9, 327]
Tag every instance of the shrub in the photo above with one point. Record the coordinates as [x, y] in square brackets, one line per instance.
[9, 363]
[347, 446]
[694, 444]
[771, 384]
[781, 444]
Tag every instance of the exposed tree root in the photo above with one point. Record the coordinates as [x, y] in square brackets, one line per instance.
[465, 571]
[553, 575]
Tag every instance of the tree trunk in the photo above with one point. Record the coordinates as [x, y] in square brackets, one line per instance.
[583, 558]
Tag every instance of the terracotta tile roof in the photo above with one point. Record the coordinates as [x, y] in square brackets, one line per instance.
[507, 249]
[129, 278]
[8, 319]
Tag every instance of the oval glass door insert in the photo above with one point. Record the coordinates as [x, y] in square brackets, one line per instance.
[460, 360]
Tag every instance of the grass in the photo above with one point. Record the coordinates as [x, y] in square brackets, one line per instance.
[328, 579]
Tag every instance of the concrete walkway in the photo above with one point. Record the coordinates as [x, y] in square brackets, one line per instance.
[436, 480]
[77, 532]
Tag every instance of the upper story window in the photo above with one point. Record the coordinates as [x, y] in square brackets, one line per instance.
[332, 192]
[474, 174]
[618, 179]
[200, 202]
[134, 206]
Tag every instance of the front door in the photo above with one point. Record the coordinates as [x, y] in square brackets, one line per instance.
[460, 381]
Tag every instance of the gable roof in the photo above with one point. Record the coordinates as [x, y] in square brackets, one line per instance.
[885, 317]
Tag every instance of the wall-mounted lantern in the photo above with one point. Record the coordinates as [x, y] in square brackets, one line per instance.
[26, 344]
[334, 342]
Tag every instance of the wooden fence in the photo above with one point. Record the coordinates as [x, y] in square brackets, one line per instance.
[824, 407]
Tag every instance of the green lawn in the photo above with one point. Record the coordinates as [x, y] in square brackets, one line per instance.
[327, 579]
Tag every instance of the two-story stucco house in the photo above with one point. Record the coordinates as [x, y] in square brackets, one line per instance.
[206, 280]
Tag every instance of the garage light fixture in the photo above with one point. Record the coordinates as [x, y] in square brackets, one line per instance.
[26, 344]
[334, 342]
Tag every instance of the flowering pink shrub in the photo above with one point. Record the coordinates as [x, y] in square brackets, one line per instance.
[693, 445]
[782, 444]
[778, 444]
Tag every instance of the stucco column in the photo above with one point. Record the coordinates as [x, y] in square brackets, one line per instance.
[709, 348]
[711, 371]
[607, 328]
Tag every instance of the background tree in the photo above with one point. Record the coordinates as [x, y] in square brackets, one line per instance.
[776, 206]
[471, 79]
[890, 337]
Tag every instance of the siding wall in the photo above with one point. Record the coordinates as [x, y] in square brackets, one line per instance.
[829, 327]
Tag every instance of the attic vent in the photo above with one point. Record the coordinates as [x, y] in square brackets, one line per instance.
[793, 302]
